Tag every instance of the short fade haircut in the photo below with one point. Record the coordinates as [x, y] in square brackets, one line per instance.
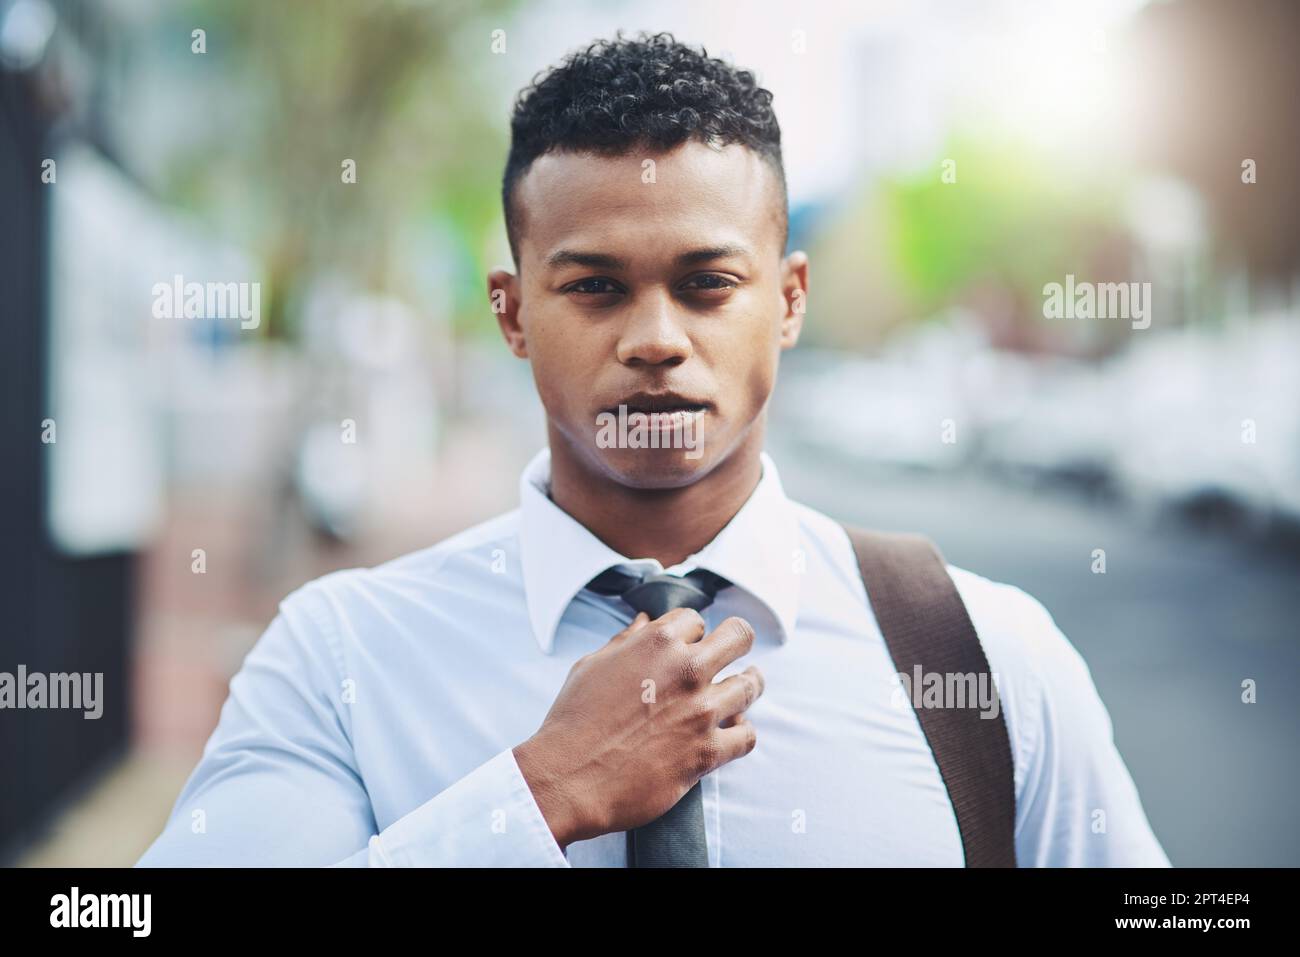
[650, 92]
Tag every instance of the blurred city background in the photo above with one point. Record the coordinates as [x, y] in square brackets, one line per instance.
[946, 161]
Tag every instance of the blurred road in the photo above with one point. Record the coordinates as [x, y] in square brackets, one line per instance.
[1178, 621]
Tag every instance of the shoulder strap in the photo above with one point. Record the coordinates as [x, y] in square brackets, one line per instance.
[926, 626]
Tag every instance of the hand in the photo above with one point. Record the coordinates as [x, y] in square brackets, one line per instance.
[638, 722]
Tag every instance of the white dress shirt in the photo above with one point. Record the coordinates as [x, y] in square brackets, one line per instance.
[373, 721]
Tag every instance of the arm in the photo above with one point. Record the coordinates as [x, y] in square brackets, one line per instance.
[278, 783]
[1078, 806]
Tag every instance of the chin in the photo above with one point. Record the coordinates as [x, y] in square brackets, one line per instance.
[654, 468]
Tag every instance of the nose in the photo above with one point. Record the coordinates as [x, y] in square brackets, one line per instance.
[653, 334]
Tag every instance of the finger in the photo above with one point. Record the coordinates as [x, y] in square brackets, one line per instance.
[681, 624]
[732, 721]
[736, 694]
[736, 741]
[729, 641]
[641, 619]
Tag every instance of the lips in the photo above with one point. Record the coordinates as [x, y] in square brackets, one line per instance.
[668, 403]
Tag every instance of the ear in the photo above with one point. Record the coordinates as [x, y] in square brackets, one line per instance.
[503, 296]
[794, 292]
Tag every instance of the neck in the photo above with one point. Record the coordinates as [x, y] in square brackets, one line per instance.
[668, 525]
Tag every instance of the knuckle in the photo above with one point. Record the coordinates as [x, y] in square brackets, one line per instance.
[690, 672]
[691, 615]
[706, 757]
[705, 715]
[688, 620]
[660, 637]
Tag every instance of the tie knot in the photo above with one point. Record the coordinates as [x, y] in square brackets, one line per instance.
[657, 595]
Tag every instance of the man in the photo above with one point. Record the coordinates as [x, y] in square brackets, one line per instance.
[535, 691]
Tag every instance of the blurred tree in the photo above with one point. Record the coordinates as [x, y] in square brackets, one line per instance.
[1011, 215]
[400, 88]
[1012, 222]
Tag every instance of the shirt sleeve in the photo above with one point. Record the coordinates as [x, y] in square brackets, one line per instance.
[278, 785]
[1078, 805]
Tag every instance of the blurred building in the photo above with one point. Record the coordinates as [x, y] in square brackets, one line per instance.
[65, 610]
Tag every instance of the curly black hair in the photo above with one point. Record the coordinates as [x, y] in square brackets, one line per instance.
[648, 92]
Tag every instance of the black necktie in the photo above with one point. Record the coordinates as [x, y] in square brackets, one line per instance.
[676, 838]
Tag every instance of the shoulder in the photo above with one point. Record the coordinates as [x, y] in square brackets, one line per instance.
[1037, 669]
[1054, 713]
[1016, 627]
[449, 568]
[1049, 678]
[1013, 626]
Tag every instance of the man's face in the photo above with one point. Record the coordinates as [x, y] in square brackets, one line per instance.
[658, 288]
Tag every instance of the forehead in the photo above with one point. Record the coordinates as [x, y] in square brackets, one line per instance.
[691, 196]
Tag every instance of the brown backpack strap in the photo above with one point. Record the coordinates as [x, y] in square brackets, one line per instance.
[925, 624]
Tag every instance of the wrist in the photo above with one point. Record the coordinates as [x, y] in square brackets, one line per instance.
[562, 815]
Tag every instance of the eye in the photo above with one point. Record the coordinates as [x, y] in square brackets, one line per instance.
[596, 286]
[709, 282]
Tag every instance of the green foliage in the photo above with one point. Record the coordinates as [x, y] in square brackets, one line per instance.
[1012, 216]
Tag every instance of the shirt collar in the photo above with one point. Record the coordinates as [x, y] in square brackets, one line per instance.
[756, 551]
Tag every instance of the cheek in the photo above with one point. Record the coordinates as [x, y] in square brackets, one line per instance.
[765, 343]
[746, 368]
[564, 364]
[762, 377]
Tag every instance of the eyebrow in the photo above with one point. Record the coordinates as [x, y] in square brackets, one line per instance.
[574, 257]
[709, 253]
